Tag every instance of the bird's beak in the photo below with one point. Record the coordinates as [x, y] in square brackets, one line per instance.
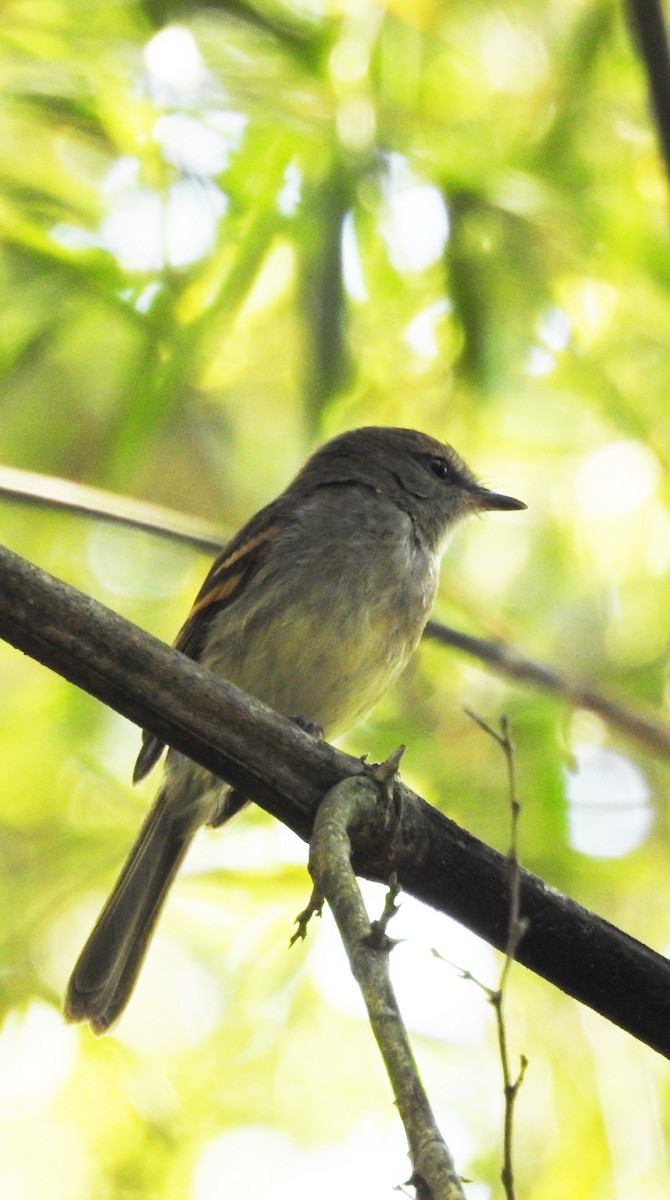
[484, 500]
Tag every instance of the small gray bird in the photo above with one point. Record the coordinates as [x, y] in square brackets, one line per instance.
[314, 608]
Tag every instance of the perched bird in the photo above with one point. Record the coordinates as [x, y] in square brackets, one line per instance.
[314, 608]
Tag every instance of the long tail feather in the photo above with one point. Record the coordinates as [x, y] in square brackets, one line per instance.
[108, 966]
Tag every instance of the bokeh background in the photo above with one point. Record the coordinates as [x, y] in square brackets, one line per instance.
[229, 231]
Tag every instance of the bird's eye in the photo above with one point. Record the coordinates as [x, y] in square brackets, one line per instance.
[440, 467]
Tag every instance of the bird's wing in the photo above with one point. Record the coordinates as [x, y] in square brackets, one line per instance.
[229, 574]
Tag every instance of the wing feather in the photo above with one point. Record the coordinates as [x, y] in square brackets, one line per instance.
[237, 563]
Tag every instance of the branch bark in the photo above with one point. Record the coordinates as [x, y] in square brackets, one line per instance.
[287, 773]
[361, 808]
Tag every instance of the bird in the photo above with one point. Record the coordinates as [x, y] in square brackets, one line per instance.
[314, 608]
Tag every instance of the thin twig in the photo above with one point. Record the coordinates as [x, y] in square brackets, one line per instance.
[508, 662]
[516, 928]
[355, 804]
[64, 494]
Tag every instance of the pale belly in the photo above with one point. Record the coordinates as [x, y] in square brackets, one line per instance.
[331, 660]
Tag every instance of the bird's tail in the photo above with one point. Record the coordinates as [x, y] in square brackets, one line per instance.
[107, 968]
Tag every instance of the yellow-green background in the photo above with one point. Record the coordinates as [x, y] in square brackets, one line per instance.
[536, 338]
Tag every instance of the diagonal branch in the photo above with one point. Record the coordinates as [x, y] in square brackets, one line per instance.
[506, 661]
[288, 772]
[68, 496]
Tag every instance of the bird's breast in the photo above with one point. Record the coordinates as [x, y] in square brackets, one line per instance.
[322, 633]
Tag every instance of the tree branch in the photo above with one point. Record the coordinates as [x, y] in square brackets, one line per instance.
[507, 661]
[288, 772]
[360, 808]
[516, 929]
[650, 32]
[64, 494]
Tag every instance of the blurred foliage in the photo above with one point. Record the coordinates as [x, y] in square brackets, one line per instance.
[230, 230]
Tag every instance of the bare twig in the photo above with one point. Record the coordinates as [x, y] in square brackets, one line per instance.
[506, 661]
[313, 908]
[50, 491]
[516, 928]
[354, 806]
[288, 772]
[64, 494]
